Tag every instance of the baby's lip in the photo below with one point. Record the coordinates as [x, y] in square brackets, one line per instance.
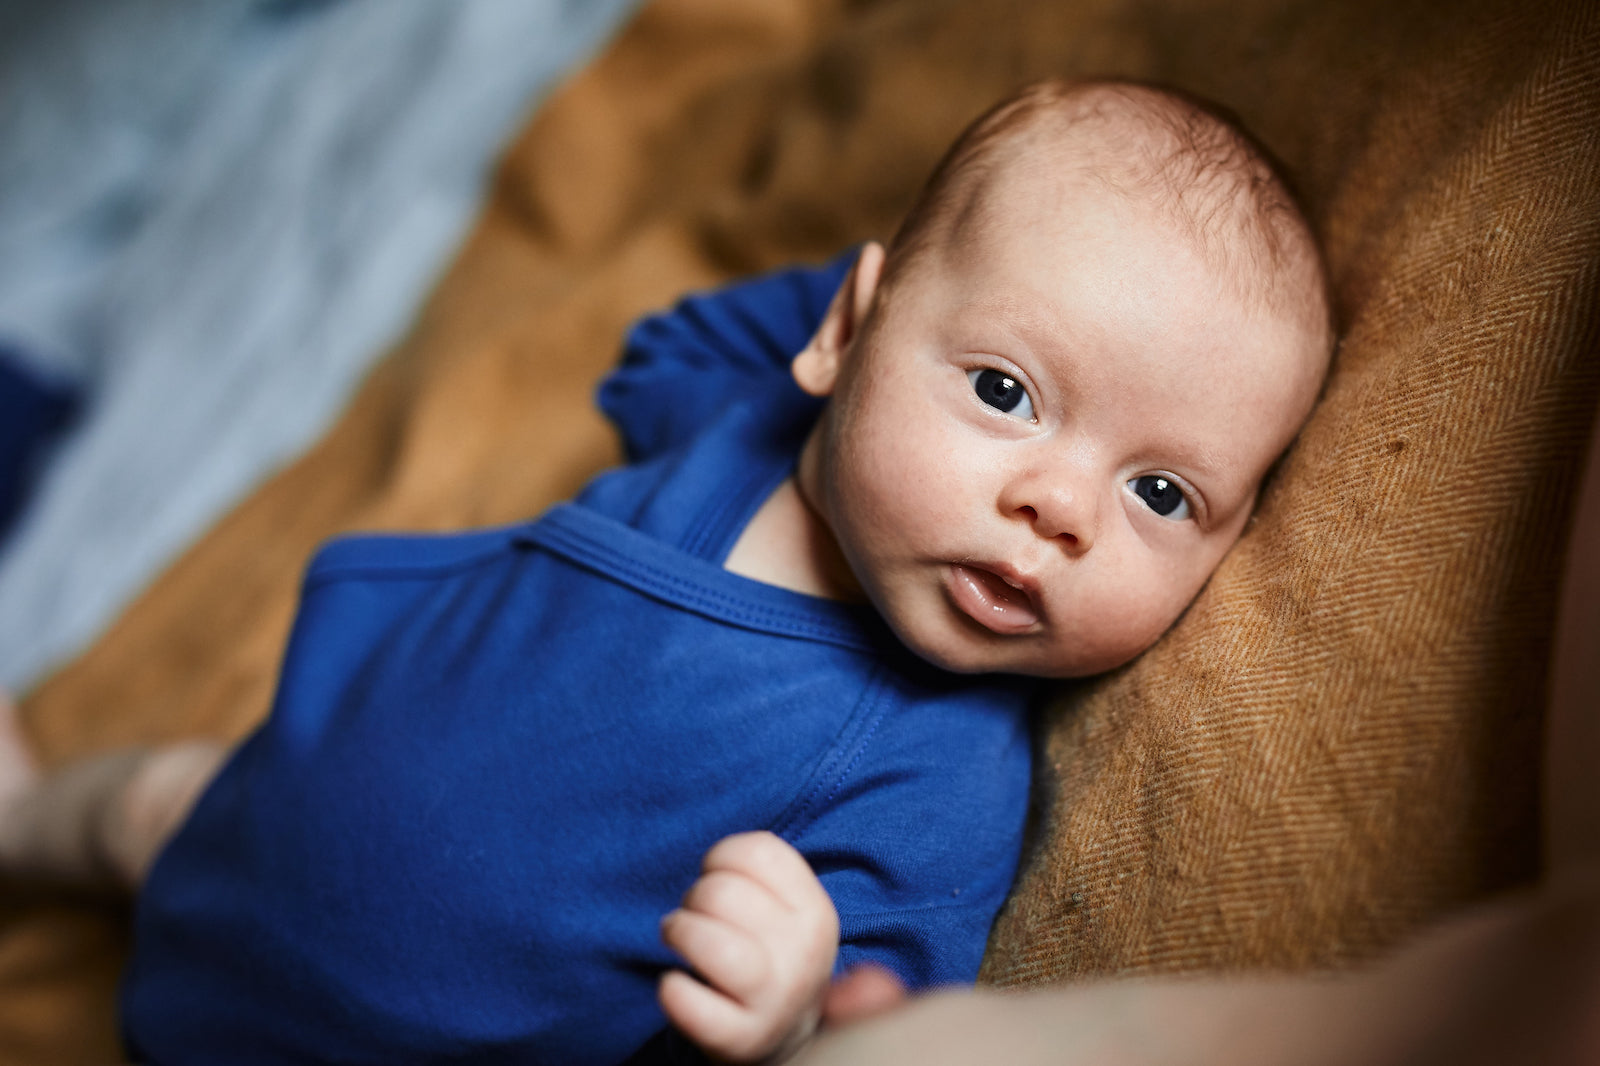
[994, 595]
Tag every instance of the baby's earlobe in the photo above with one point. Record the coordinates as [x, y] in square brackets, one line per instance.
[816, 368]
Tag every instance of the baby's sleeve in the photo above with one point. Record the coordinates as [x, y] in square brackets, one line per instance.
[917, 834]
[681, 366]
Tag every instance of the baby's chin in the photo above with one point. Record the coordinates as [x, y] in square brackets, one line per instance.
[981, 652]
[967, 648]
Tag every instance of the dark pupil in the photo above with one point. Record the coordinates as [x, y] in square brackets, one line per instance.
[998, 390]
[1162, 495]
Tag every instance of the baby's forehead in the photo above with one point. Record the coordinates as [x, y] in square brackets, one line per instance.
[1159, 157]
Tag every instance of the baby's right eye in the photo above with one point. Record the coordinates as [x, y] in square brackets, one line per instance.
[1002, 392]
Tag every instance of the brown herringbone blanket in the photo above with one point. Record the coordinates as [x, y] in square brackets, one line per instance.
[1339, 740]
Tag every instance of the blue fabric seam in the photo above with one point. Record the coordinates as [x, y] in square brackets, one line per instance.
[333, 574]
[857, 917]
[691, 592]
[861, 750]
[712, 527]
[861, 727]
[573, 544]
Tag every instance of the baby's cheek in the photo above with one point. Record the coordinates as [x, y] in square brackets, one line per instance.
[1124, 625]
[897, 494]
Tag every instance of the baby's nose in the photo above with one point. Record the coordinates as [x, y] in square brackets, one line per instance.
[1057, 510]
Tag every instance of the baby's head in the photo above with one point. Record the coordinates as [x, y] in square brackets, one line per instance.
[1054, 398]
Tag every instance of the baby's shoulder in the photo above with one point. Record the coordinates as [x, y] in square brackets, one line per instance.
[409, 556]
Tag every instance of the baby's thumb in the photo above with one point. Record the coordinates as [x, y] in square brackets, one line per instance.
[866, 991]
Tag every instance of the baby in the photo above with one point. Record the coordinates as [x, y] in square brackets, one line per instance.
[772, 660]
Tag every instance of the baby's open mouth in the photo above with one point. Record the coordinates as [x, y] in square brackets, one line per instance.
[991, 600]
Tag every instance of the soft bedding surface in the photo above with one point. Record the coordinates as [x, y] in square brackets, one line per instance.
[1335, 745]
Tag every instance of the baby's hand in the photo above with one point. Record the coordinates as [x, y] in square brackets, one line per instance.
[761, 932]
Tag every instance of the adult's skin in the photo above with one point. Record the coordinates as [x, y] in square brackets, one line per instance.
[1515, 981]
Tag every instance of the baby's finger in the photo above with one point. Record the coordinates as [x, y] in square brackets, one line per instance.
[739, 900]
[727, 957]
[716, 1023]
[866, 991]
[772, 862]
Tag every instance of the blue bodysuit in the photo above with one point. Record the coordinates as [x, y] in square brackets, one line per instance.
[496, 758]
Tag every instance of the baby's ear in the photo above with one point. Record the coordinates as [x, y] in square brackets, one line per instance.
[816, 368]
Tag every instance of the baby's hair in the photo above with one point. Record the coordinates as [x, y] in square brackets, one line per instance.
[1154, 144]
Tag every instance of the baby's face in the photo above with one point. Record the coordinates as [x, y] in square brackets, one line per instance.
[1042, 441]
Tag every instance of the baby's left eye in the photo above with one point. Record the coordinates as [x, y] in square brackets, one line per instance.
[1002, 392]
[1161, 495]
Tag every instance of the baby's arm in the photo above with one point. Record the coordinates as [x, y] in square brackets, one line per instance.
[760, 931]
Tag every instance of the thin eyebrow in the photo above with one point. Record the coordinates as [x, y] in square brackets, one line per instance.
[1028, 323]
[1197, 467]
[1206, 463]
[1219, 495]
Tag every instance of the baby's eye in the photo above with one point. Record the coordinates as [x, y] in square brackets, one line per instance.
[1002, 392]
[1161, 495]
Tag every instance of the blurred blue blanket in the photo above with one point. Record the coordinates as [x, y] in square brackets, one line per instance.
[215, 216]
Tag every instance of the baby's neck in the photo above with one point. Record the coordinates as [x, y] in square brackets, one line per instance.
[788, 544]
